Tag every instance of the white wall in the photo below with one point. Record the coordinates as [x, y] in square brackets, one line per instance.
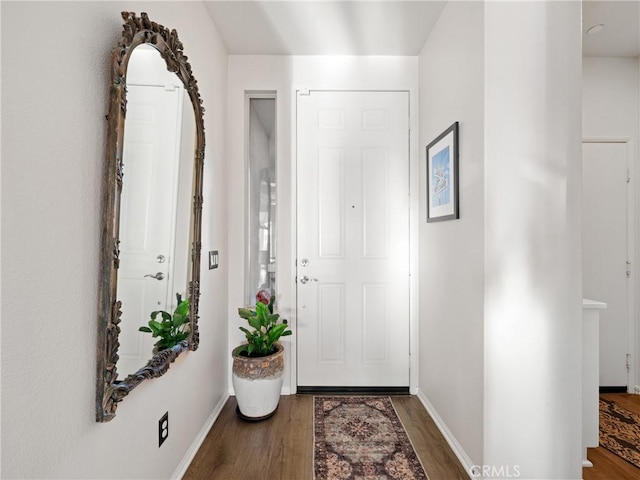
[532, 387]
[284, 75]
[610, 96]
[500, 296]
[452, 253]
[55, 95]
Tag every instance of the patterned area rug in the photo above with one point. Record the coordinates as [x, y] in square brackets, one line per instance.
[620, 431]
[362, 438]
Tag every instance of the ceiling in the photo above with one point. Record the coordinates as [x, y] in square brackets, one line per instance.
[324, 27]
[621, 35]
[383, 27]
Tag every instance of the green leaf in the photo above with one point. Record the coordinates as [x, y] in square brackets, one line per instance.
[156, 327]
[272, 301]
[178, 321]
[165, 343]
[246, 313]
[276, 332]
[182, 309]
[181, 336]
[255, 323]
[171, 330]
[262, 310]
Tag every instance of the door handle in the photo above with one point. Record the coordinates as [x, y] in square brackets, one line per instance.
[158, 276]
[305, 279]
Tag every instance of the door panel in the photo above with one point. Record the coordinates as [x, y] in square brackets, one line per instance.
[330, 189]
[374, 202]
[604, 252]
[353, 239]
[331, 323]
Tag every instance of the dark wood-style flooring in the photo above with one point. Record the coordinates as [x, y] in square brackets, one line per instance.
[607, 465]
[282, 446]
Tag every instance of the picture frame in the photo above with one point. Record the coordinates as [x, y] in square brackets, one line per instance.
[442, 177]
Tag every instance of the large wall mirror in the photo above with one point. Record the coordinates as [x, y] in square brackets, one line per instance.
[152, 207]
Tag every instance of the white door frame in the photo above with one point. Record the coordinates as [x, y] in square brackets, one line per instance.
[633, 253]
[413, 231]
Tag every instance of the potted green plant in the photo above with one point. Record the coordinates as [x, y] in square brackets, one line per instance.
[171, 329]
[258, 364]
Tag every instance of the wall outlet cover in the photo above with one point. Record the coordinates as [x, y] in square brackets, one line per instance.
[163, 429]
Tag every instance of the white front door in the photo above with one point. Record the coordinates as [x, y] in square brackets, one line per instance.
[353, 239]
[604, 252]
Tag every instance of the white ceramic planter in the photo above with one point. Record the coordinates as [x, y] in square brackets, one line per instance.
[257, 382]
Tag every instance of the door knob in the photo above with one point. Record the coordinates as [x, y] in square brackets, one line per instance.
[157, 276]
[304, 279]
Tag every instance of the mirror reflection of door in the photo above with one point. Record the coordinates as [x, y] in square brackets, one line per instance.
[261, 272]
[155, 219]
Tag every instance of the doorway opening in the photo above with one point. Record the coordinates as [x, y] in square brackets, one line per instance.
[608, 254]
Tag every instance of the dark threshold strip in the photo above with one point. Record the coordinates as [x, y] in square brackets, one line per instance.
[613, 389]
[356, 390]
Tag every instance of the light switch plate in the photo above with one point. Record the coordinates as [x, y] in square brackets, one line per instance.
[213, 259]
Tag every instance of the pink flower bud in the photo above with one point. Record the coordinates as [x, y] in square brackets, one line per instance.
[264, 296]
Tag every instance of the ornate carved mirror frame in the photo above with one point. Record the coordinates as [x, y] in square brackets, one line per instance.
[111, 390]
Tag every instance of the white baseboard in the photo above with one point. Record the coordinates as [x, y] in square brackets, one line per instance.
[197, 442]
[446, 433]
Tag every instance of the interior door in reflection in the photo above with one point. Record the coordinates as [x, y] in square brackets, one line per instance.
[151, 167]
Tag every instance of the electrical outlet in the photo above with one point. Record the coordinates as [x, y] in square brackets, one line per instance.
[163, 429]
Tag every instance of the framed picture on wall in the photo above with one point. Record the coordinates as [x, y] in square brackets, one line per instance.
[442, 176]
